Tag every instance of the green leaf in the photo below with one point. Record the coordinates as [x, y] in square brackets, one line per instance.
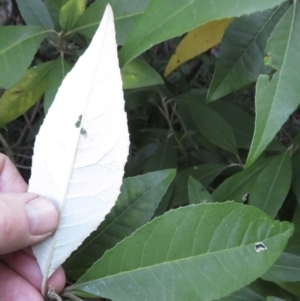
[34, 12]
[296, 176]
[240, 122]
[25, 93]
[162, 20]
[210, 124]
[136, 163]
[57, 74]
[242, 51]
[205, 174]
[238, 186]
[272, 185]
[138, 74]
[70, 13]
[285, 269]
[292, 287]
[197, 192]
[278, 97]
[135, 206]
[197, 256]
[18, 45]
[245, 294]
[53, 7]
[258, 290]
[126, 13]
[164, 157]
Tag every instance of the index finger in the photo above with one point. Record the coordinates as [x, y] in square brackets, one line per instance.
[10, 178]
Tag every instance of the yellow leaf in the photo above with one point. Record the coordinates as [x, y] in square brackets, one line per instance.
[196, 42]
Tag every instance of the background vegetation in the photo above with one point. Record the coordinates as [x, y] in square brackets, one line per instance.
[213, 117]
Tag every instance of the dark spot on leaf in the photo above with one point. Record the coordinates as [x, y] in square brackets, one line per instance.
[259, 246]
[78, 122]
[83, 132]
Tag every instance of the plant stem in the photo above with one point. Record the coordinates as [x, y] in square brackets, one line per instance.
[169, 120]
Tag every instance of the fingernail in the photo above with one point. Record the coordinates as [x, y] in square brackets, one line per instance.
[42, 216]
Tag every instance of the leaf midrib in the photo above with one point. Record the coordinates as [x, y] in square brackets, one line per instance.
[178, 260]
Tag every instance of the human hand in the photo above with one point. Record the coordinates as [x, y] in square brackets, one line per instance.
[25, 219]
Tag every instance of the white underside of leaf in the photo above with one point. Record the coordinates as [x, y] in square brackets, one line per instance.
[80, 168]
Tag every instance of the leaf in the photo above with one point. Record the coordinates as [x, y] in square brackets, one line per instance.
[285, 269]
[210, 124]
[70, 12]
[53, 7]
[287, 266]
[272, 185]
[242, 124]
[136, 163]
[258, 290]
[138, 74]
[296, 176]
[196, 42]
[245, 294]
[60, 68]
[197, 192]
[25, 93]
[135, 206]
[180, 263]
[18, 44]
[168, 15]
[34, 12]
[278, 97]
[240, 61]
[127, 13]
[205, 173]
[237, 187]
[82, 148]
[164, 157]
[292, 287]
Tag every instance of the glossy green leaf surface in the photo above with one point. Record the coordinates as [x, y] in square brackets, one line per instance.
[137, 74]
[237, 187]
[168, 14]
[25, 93]
[58, 72]
[126, 13]
[70, 13]
[18, 44]
[34, 12]
[205, 173]
[197, 192]
[278, 97]
[205, 264]
[241, 58]
[272, 185]
[135, 206]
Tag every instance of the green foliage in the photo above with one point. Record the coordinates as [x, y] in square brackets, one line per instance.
[227, 121]
[180, 264]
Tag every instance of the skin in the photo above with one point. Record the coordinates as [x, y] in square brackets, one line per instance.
[20, 275]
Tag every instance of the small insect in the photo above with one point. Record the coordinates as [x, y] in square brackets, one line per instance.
[259, 246]
[245, 198]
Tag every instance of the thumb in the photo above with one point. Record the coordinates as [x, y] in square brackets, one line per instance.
[25, 219]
